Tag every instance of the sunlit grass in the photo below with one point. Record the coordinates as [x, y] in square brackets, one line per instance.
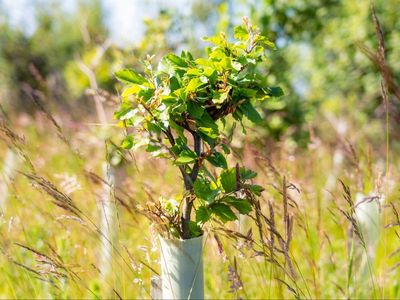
[319, 250]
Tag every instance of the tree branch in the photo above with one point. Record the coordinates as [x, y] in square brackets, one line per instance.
[186, 177]
[197, 149]
[188, 201]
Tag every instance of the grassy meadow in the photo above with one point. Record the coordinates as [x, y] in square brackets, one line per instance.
[50, 252]
[73, 203]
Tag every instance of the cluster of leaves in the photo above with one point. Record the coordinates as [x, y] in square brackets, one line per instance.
[232, 190]
[185, 96]
[221, 198]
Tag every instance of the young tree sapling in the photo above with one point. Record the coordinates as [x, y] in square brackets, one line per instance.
[187, 99]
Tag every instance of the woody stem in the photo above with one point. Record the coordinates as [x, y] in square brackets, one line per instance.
[188, 200]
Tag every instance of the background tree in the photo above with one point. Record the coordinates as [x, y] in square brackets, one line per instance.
[37, 60]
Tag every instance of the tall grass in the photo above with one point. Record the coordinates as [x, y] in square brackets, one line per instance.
[300, 243]
[327, 225]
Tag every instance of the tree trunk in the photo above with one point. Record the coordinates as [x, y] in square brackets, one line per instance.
[189, 197]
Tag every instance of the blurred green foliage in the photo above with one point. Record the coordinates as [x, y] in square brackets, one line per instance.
[38, 59]
[318, 61]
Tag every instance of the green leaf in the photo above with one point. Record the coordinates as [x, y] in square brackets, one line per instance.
[186, 157]
[218, 40]
[207, 121]
[256, 189]
[218, 160]
[217, 54]
[246, 92]
[181, 160]
[242, 205]
[174, 84]
[275, 91]
[202, 190]
[195, 109]
[207, 126]
[155, 127]
[228, 180]
[237, 65]
[210, 73]
[258, 53]
[240, 33]
[194, 84]
[166, 67]
[131, 90]
[181, 93]
[152, 147]
[246, 174]
[203, 214]
[195, 71]
[250, 112]
[223, 212]
[194, 229]
[127, 142]
[205, 62]
[238, 115]
[125, 112]
[176, 60]
[130, 143]
[179, 130]
[224, 64]
[210, 132]
[146, 94]
[225, 148]
[169, 100]
[265, 42]
[129, 76]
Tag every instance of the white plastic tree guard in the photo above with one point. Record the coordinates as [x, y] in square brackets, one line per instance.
[108, 221]
[6, 176]
[368, 214]
[182, 268]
